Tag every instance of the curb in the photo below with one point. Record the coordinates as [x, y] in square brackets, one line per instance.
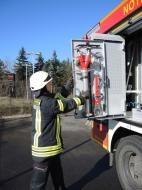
[12, 117]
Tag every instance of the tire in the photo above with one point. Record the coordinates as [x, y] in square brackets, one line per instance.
[128, 162]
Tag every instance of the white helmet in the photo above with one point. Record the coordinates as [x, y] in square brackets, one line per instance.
[38, 80]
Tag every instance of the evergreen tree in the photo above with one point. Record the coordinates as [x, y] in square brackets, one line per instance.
[61, 71]
[29, 69]
[46, 66]
[56, 70]
[3, 70]
[1, 66]
[40, 63]
[21, 74]
[20, 66]
[67, 68]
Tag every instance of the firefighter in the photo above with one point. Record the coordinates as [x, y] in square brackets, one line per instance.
[47, 142]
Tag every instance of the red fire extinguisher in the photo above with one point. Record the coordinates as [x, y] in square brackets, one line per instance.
[96, 94]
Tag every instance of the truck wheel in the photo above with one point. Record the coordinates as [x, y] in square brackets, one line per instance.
[128, 160]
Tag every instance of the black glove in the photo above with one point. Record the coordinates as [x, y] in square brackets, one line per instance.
[64, 92]
[67, 88]
[69, 85]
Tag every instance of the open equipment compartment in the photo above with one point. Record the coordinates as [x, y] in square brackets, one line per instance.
[99, 75]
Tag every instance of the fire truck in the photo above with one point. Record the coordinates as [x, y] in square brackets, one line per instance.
[107, 71]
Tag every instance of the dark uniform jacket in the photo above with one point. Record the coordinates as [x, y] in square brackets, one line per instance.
[46, 127]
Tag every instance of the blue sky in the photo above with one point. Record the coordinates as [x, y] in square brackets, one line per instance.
[47, 25]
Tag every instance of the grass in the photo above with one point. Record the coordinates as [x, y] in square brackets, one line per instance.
[12, 106]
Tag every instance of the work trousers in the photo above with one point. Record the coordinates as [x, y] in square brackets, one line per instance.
[41, 171]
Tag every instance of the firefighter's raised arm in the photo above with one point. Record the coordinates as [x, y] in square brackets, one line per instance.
[68, 104]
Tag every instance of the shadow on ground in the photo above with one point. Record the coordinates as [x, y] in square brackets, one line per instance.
[100, 167]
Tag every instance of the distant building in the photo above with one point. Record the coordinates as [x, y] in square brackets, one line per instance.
[7, 84]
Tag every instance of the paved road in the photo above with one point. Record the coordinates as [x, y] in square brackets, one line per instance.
[84, 162]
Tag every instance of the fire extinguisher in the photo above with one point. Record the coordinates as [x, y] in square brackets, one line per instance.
[97, 95]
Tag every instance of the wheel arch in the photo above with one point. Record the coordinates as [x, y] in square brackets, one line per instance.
[120, 133]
